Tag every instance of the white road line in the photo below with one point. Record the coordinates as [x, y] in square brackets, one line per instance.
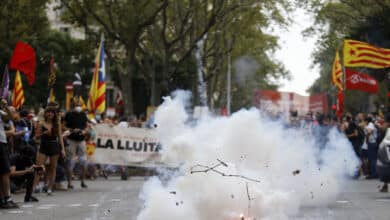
[27, 206]
[342, 201]
[115, 200]
[382, 200]
[75, 205]
[93, 205]
[15, 212]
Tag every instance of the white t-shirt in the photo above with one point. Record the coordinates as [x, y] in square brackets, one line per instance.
[373, 135]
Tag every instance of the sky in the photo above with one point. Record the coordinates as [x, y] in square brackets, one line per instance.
[295, 53]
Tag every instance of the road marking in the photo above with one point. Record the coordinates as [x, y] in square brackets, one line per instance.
[15, 212]
[382, 200]
[27, 206]
[46, 206]
[115, 200]
[93, 205]
[75, 205]
[342, 201]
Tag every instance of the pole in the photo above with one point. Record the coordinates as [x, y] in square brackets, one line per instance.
[228, 82]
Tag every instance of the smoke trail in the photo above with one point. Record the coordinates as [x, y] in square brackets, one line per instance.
[291, 170]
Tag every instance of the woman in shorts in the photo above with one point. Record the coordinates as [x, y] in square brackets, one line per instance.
[52, 145]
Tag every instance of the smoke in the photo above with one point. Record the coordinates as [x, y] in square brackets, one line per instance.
[245, 69]
[261, 169]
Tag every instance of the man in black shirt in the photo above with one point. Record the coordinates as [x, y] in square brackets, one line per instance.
[352, 133]
[76, 123]
[22, 172]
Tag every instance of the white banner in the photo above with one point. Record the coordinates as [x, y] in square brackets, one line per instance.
[124, 146]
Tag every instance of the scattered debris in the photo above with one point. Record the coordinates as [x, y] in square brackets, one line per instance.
[173, 192]
[177, 204]
[232, 196]
[205, 169]
[296, 172]
[223, 163]
[312, 195]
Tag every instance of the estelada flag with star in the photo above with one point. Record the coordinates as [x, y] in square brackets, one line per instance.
[97, 93]
[337, 72]
[361, 54]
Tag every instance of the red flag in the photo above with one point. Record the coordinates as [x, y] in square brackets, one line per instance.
[359, 81]
[340, 103]
[23, 59]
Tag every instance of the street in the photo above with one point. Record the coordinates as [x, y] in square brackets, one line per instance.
[116, 199]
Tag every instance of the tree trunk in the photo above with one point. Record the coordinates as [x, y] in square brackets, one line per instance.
[127, 83]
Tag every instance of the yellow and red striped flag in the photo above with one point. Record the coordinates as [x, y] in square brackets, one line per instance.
[17, 94]
[361, 54]
[337, 73]
[97, 93]
[51, 81]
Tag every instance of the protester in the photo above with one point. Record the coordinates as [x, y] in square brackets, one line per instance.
[52, 145]
[371, 136]
[76, 123]
[6, 201]
[382, 160]
[23, 170]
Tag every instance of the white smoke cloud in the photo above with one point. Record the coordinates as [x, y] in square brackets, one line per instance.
[286, 163]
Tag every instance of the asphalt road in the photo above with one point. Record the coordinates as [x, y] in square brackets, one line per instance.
[116, 199]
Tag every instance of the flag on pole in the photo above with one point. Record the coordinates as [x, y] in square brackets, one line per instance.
[359, 81]
[23, 59]
[51, 81]
[340, 104]
[97, 92]
[361, 54]
[17, 94]
[337, 73]
[5, 84]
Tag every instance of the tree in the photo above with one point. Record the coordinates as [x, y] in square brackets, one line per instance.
[26, 20]
[153, 42]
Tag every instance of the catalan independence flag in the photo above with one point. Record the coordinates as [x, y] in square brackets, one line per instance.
[51, 81]
[97, 92]
[361, 54]
[337, 73]
[17, 94]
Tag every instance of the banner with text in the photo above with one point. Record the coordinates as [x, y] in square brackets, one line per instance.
[124, 146]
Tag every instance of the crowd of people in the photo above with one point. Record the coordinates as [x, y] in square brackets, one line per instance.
[365, 131]
[39, 151]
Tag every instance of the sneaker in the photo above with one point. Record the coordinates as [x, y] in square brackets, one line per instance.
[49, 192]
[45, 188]
[384, 189]
[83, 185]
[9, 204]
[31, 199]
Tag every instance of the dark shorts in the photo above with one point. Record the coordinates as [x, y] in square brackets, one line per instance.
[50, 148]
[4, 159]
